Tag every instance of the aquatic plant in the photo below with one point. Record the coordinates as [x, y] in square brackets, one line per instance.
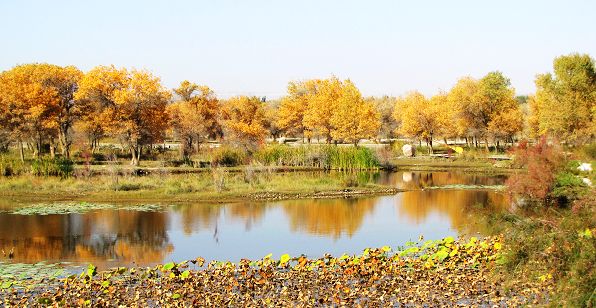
[62, 208]
[444, 272]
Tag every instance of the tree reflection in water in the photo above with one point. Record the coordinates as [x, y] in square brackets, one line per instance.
[112, 237]
[101, 237]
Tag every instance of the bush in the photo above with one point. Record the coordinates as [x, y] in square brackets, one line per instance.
[568, 186]
[351, 158]
[11, 166]
[227, 157]
[590, 150]
[542, 161]
[556, 245]
[61, 167]
[325, 157]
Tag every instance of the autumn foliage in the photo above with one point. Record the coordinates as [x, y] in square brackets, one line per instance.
[542, 160]
[43, 107]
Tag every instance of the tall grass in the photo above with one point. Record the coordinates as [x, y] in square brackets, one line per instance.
[10, 166]
[324, 157]
[52, 167]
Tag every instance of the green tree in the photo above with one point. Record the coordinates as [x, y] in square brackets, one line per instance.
[565, 104]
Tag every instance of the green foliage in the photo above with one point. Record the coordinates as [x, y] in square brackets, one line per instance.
[589, 150]
[227, 157]
[568, 186]
[10, 166]
[61, 167]
[325, 157]
[351, 158]
[62, 208]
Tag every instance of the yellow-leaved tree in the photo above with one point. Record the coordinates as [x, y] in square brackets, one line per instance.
[353, 118]
[64, 81]
[486, 108]
[420, 117]
[293, 107]
[97, 89]
[129, 105]
[565, 103]
[194, 117]
[244, 121]
[321, 106]
[30, 105]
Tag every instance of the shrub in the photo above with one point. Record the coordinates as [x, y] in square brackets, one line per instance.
[543, 161]
[61, 167]
[326, 157]
[227, 157]
[351, 158]
[568, 186]
[590, 150]
[11, 166]
[219, 176]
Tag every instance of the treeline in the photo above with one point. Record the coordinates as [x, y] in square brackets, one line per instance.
[43, 105]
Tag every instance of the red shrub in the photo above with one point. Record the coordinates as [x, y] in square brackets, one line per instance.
[542, 161]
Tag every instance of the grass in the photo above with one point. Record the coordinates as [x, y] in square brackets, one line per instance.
[554, 245]
[232, 186]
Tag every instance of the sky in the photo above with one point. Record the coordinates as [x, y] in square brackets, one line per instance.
[257, 47]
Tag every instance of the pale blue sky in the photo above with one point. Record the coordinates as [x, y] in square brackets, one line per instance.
[256, 47]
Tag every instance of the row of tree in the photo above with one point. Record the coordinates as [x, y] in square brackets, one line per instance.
[43, 104]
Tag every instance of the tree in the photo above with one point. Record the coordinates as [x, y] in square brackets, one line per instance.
[421, 117]
[128, 105]
[28, 105]
[477, 103]
[505, 125]
[495, 98]
[565, 104]
[97, 89]
[353, 118]
[141, 117]
[195, 117]
[321, 105]
[244, 121]
[293, 106]
[461, 99]
[384, 105]
[64, 82]
[272, 119]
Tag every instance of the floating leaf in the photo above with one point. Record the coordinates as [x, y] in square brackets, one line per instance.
[185, 274]
[284, 258]
[169, 266]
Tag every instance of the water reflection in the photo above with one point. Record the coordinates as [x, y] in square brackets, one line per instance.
[103, 237]
[234, 231]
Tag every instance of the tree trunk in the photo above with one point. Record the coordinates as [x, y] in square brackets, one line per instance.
[134, 159]
[21, 151]
[486, 143]
[430, 144]
[38, 146]
[64, 142]
[52, 150]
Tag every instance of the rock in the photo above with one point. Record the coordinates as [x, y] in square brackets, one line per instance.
[406, 177]
[585, 167]
[587, 181]
[408, 150]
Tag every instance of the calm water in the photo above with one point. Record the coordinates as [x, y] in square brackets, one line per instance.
[251, 230]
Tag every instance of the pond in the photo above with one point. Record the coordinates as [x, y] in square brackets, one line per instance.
[439, 204]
